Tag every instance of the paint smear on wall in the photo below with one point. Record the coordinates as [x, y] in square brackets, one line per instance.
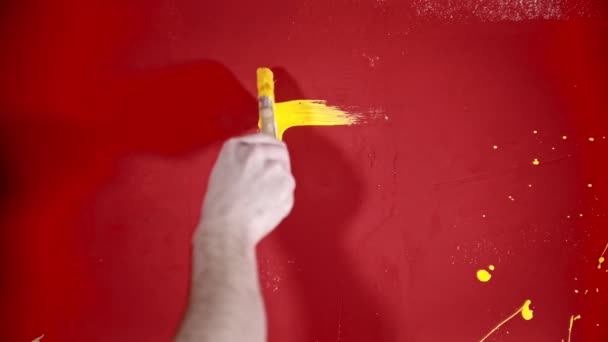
[506, 10]
[310, 113]
[38, 339]
[526, 313]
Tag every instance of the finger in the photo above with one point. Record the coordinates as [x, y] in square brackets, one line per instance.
[264, 153]
[258, 138]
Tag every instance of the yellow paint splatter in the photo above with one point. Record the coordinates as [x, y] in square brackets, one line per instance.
[589, 185]
[535, 162]
[591, 139]
[601, 259]
[495, 147]
[485, 276]
[535, 131]
[38, 339]
[572, 319]
[564, 137]
[310, 113]
[526, 313]
[297, 112]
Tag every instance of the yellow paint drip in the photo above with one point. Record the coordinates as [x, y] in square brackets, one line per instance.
[526, 313]
[310, 113]
[572, 319]
[601, 259]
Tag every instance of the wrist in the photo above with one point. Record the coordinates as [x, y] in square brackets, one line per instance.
[223, 236]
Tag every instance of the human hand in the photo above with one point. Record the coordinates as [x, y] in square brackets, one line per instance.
[250, 189]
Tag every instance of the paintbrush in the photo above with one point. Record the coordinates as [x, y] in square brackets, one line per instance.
[275, 118]
[267, 123]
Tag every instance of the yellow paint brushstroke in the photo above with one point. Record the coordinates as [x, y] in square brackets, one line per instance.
[526, 313]
[601, 258]
[299, 112]
[38, 339]
[310, 113]
[572, 319]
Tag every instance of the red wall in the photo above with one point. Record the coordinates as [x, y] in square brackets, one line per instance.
[112, 113]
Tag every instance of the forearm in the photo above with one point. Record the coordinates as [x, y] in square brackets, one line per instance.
[226, 304]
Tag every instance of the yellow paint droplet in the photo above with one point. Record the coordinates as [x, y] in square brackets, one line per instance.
[491, 267]
[495, 147]
[591, 139]
[535, 162]
[535, 131]
[564, 137]
[575, 291]
[526, 312]
[589, 185]
[483, 276]
[601, 258]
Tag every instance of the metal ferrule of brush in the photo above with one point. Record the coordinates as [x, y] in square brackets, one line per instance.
[267, 121]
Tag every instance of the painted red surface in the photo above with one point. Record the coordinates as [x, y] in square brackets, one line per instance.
[112, 113]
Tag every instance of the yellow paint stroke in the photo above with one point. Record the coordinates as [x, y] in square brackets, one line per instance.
[300, 112]
[572, 319]
[38, 339]
[310, 113]
[526, 313]
[485, 276]
[601, 258]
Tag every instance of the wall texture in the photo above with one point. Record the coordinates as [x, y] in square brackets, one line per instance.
[112, 112]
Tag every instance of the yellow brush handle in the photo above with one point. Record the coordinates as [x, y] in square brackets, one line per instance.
[267, 123]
